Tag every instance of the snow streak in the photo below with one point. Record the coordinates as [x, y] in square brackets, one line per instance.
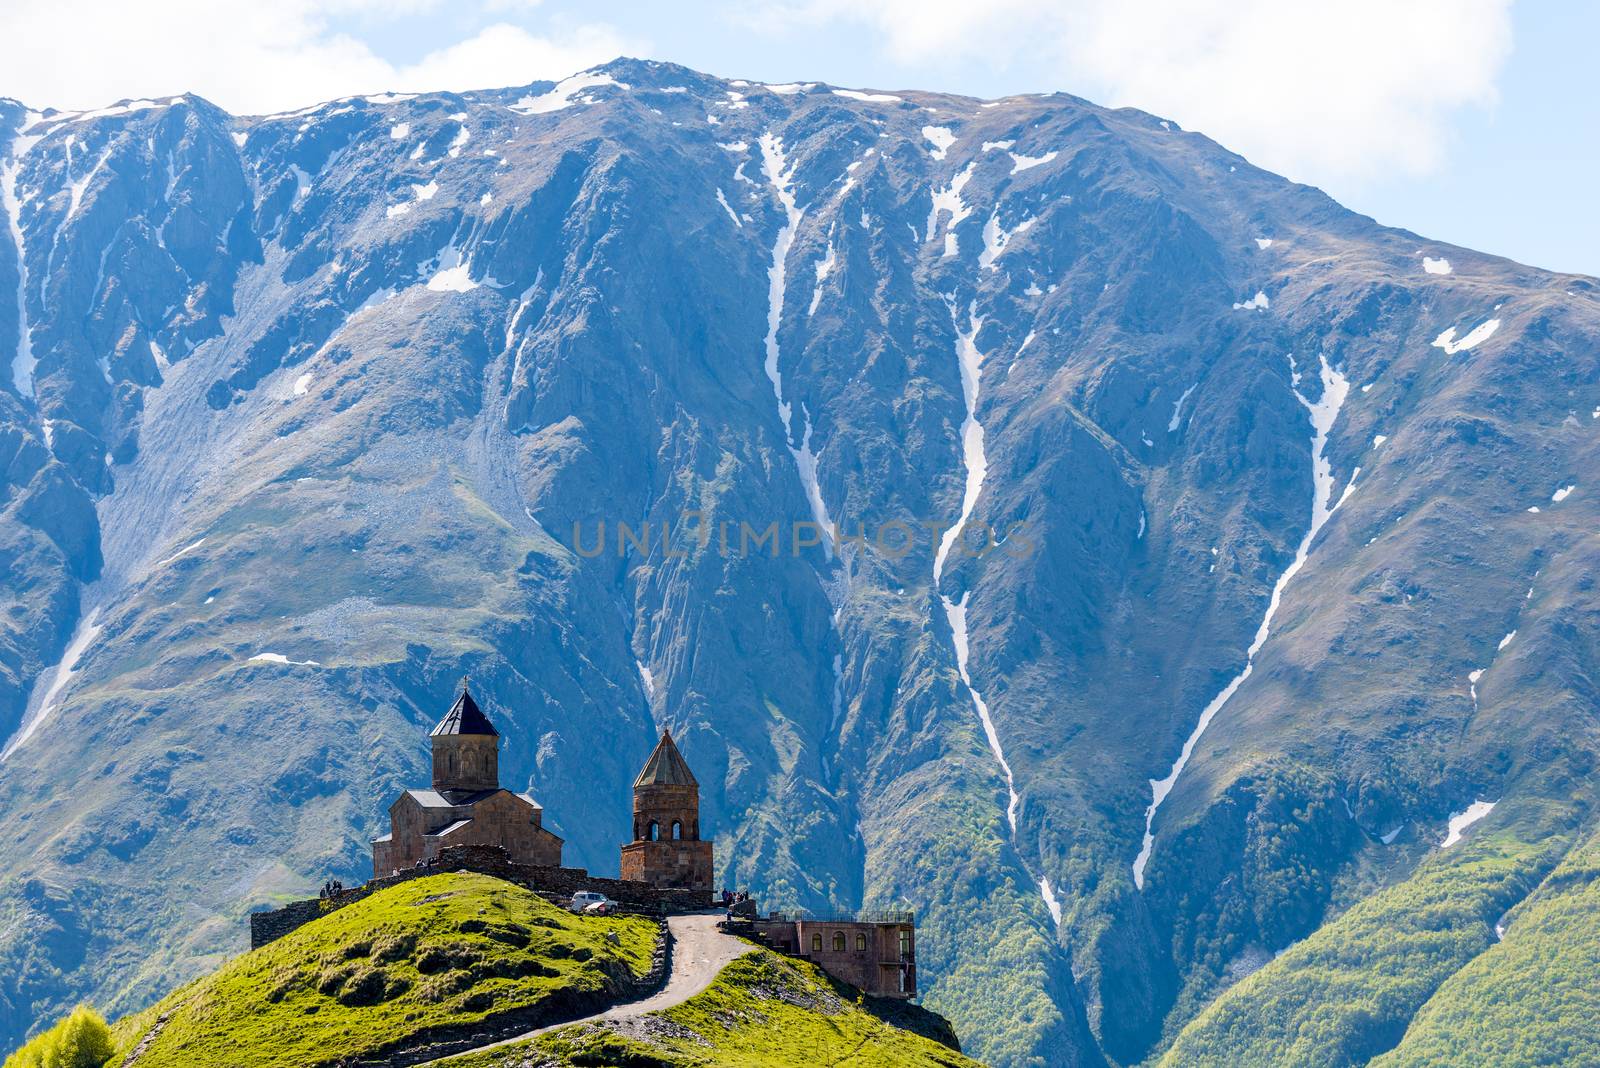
[780, 175]
[23, 362]
[977, 465]
[1335, 388]
[50, 698]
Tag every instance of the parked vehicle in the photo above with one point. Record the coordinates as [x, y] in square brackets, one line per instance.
[592, 903]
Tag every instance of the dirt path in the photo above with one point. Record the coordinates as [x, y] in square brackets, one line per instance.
[699, 953]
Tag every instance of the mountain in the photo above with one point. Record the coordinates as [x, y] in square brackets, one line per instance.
[1217, 579]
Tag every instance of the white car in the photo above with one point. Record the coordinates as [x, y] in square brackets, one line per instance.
[592, 902]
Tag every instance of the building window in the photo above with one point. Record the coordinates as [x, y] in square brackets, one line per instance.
[655, 831]
[905, 943]
[816, 943]
[861, 942]
[677, 830]
[838, 941]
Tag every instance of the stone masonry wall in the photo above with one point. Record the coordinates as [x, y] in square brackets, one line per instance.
[267, 927]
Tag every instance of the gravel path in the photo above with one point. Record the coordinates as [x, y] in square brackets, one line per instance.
[699, 953]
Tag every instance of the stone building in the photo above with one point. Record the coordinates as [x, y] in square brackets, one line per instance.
[465, 805]
[875, 952]
[667, 850]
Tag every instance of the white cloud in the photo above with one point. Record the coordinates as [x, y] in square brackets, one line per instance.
[1315, 91]
[254, 57]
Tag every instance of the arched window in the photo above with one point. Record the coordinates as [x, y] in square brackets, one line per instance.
[677, 830]
[655, 831]
[861, 942]
[816, 943]
[838, 941]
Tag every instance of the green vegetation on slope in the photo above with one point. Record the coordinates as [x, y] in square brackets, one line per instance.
[80, 1040]
[1532, 999]
[764, 1011]
[431, 953]
[1347, 992]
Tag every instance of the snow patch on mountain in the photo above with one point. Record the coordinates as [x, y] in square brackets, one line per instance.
[453, 273]
[1479, 334]
[565, 93]
[1050, 902]
[1335, 388]
[824, 268]
[723, 200]
[1177, 409]
[940, 138]
[948, 201]
[869, 98]
[995, 239]
[279, 658]
[1259, 302]
[1020, 163]
[78, 188]
[185, 551]
[1435, 266]
[1460, 821]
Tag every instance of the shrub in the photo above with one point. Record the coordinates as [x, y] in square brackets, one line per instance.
[80, 1040]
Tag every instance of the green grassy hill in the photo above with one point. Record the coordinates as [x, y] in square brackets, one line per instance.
[431, 958]
[428, 954]
[764, 1011]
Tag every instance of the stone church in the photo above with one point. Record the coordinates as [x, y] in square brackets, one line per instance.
[667, 850]
[465, 805]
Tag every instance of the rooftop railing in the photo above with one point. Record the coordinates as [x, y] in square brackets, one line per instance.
[898, 916]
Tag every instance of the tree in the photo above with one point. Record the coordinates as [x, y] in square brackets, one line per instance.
[80, 1040]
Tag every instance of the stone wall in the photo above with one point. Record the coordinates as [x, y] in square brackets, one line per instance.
[485, 860]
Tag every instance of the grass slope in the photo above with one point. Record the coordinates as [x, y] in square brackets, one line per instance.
[1530, 1000]
[434, 952]
[763, 1011]
[1348, 992]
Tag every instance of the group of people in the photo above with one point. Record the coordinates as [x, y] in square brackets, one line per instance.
[332, 887]
[733, 897]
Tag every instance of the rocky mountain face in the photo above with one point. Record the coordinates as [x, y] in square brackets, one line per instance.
[1211, 561]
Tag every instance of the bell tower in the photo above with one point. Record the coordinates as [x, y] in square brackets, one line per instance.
[466, 749]
[667, 850]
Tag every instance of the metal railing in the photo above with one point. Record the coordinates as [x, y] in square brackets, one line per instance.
[902, 916]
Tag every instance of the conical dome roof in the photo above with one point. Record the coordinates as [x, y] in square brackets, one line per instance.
[666, 766]
[464, 717]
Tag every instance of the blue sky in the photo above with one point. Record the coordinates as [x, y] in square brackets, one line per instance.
[1469, 121]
